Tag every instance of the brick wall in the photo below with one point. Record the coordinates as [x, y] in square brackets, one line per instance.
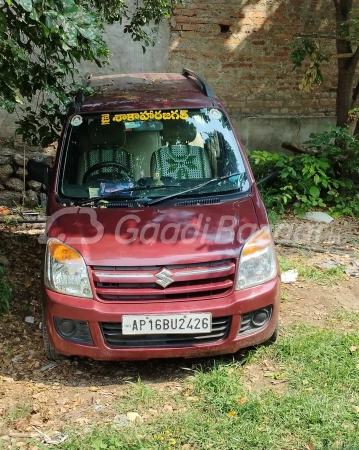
[242, 47]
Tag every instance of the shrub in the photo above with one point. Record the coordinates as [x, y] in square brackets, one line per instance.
[307, 181]
[341, 149]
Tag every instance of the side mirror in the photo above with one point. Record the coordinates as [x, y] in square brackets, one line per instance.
[39, 171]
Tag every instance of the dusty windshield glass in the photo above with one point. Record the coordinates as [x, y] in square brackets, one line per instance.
[156, 152]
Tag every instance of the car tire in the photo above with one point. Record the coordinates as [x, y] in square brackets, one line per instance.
[50, 352]
[274, 336]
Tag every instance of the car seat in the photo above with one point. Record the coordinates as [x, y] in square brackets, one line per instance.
[105, 144]
[178, 159]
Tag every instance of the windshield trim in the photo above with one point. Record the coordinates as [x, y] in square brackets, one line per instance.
[139, 202]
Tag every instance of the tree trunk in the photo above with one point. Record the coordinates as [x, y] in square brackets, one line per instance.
[346, 67]
[344, 101]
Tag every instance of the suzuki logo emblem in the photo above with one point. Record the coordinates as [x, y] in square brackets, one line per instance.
[164, 278]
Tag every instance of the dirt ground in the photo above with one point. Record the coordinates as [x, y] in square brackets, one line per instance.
[341, 235]
[84, 392]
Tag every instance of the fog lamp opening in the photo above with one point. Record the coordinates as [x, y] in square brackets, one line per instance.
[255, 320]
[77, 331]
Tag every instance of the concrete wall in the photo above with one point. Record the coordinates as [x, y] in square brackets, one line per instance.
[268, 133]
[128, 56]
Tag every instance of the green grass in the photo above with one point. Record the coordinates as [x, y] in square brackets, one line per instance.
[39, 209]
[310, 273]
[5, 292]
[17, 413]
[316, 407]
[274, 218]
[138, 395]
[346, 320]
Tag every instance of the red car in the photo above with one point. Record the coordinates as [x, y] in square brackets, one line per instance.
[158, 242]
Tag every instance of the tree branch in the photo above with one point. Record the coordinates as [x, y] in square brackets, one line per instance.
[299, 149]
[322, 36]
[336, 3]
[342, 55]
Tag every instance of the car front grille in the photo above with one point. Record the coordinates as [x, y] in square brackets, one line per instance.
[112, 333]
[186, 281]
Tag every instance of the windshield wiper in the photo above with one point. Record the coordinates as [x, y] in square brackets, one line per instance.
[194, 188]
[120, 191]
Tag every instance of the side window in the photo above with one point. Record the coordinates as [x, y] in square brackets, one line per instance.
[227, 161]
[213, 149]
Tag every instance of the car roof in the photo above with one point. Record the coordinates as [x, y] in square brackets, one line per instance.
[144, 91]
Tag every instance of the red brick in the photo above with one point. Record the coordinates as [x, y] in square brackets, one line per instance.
[238, 14]
[200, 20]
[180, 19]
[250, 67]
[190, 27]
[245, 21]
[189, 12]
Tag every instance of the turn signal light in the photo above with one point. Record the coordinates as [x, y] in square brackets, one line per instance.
[259, 242]
[62, 252]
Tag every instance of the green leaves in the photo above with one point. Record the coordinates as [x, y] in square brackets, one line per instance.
[308, 49]
[26, 4]
[41, 44]
[314, 191]
[3, 23]
[69, 35]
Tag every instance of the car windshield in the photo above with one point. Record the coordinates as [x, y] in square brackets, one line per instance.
[157, 153]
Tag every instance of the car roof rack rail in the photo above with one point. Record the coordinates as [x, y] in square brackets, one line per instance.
[205, 86]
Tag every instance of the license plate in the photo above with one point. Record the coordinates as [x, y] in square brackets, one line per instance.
[167, 324]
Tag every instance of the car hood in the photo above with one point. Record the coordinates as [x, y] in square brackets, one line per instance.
[156, 235]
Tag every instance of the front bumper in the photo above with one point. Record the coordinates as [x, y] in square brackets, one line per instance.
[95, 312]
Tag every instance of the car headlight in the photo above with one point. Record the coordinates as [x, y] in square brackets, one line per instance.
[258, 262]
[66, 271]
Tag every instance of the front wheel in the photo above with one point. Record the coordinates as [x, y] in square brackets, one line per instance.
[50, 352]
[274, 336]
